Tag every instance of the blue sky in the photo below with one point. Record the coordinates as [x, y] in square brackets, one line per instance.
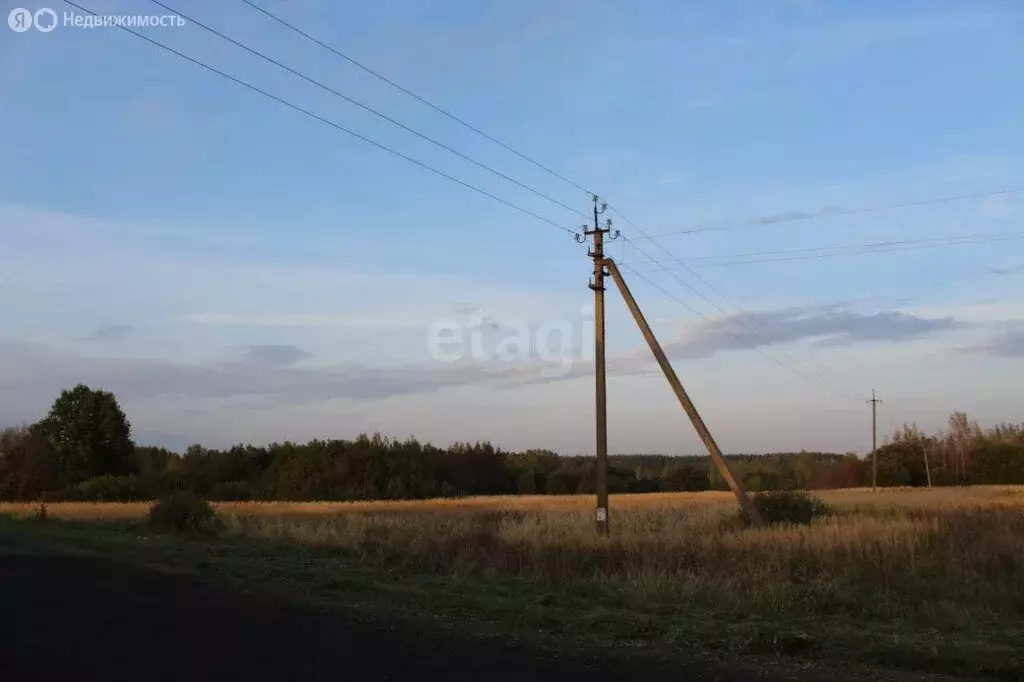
[236, 271]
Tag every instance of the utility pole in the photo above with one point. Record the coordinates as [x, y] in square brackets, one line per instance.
[927, 467]
[604, 267]
[874, 440]
[601, 402]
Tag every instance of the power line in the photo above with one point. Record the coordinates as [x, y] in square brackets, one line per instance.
[689, 307]
[418, 98]
[420, 163]
[796, 216]
[949, 238]
[337, 126]
[731, 317]
[785, 255]
[365, 107]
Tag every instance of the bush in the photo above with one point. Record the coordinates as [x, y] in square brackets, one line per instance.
[787, 506]
[184, 512]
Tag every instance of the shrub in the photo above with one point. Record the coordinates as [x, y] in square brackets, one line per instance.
[184, 512]
[787, 506]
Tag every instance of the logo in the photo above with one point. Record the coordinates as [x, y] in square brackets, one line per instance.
[21, 20]
[550, 345]
[45, 19]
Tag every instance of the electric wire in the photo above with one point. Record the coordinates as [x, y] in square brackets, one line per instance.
[736, 319]
[786, 255]
[418, 98]
[796, 216]
[763, 221]
[729, 317]
[366, 107]
[331, 123]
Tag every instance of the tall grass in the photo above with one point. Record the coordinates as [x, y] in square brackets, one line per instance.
[924, 579]
[894, 554]
[890, 556]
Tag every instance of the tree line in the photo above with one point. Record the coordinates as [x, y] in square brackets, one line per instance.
[83, 450]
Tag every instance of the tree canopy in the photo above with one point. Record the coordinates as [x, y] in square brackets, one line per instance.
[90, 435]
[83, 450]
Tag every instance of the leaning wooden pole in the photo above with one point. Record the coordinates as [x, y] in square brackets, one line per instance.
[684, 400]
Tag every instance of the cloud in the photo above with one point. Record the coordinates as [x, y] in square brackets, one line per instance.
[1001, 206]
[276, 355]
[982, 312]
[826, 324]
[34, 373]
[773, 218]
[1007, 342]
[796, 215]
[1006, 269]
[111, 333]
[352, 321]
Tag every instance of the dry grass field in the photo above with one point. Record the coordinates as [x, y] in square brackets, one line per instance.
[907, 569]
[846, 500]
[896, 550]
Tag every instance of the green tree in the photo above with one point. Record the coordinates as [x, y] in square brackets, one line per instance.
[901, 462]
[526, 483]
[998, 462]
[89, 434]
[28, 465]
[683, 477]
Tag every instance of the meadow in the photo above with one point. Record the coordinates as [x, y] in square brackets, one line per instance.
[927, 579]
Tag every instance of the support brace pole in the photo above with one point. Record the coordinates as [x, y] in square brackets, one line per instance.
[684, 400]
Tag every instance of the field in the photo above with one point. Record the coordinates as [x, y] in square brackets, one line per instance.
[918, 579]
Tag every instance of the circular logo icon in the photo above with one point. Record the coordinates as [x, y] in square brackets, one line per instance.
[45, 20]
[20, 20]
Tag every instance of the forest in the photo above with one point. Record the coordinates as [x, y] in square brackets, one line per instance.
[83, 450]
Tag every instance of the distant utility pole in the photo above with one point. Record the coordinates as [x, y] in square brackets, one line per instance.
[874, 440]
[606, 267]
[927, 467]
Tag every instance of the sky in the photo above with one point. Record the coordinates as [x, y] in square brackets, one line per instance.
[237, 271]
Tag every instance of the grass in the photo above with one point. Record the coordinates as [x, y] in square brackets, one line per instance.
[928, 580]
